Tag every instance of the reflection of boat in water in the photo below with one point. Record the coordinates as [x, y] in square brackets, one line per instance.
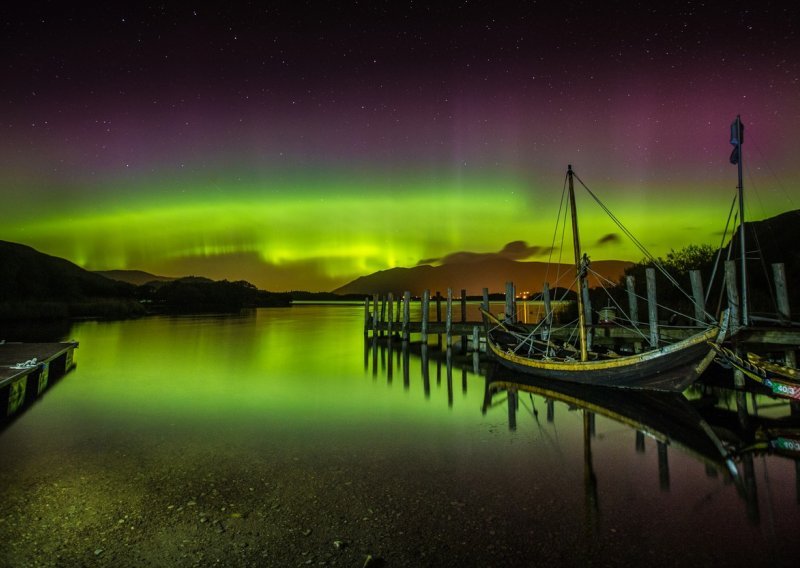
[667, 367]
[669, 418]
[710, 425]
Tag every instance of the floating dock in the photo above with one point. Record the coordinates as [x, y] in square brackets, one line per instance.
[28, 369]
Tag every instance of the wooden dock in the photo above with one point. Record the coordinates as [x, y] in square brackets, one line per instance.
[445, 317]
[28, 369]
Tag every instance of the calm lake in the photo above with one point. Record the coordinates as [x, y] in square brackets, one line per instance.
[282, 438]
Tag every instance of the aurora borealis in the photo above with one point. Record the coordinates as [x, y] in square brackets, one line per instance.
[300, 145]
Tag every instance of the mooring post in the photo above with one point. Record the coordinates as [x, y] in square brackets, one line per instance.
[399, 307]
[449, 322]
[406, 314]
[463, 319]
[366, 315]
[633, 308]
[698, 296]
[652, 306]
[439, 318]
[734, 321]
[383, 314]
[426, 299]
[781, 293]
[784, 312]
[390, 302]
[633, 304]
[374, 314]
[476, 338]
[548, 307]
[485, 293]
[587, 313]
[511, 312]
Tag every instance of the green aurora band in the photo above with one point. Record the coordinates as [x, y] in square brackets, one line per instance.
[301, 231]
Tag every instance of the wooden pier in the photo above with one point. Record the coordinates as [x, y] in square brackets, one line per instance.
[28, 369]
[445, 316]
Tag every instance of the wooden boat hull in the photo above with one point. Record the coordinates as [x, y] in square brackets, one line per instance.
[671, 368]
[782, 381]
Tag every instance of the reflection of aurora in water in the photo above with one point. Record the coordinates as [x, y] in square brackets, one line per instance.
[718, 427]
[299, 425]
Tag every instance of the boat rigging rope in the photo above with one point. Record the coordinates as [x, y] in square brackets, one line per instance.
[635, 241]
[721, 246]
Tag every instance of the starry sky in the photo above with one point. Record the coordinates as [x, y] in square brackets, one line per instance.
[299, 145]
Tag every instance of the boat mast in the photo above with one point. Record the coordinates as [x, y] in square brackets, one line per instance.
[576, 243]
[738, 130]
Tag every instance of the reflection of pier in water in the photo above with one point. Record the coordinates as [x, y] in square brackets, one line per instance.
[385, 355]
[725, 430]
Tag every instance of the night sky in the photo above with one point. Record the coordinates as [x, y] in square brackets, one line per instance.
[300, 145]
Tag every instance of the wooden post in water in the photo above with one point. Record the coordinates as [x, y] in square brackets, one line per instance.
[426, 300]
[698, 296]
[652, 306]
[587, 313]
[633, 308]
[439, 318]
[374, 314]
[463, 319]
[781, 294]
[734, 321]
[548, 307]
[449, 321]
[510, 312]
[485, 293]
[390, 318]
[734, 313]
[399, 309]
[366, 315]
[383, 314]
[633, 304]
[784, 312]
[406, 314]
[476, 338]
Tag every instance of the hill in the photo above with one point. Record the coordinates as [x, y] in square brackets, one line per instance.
[474, 276]
[135, 277]
[38, 285]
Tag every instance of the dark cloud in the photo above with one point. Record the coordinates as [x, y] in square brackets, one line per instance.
[609, 239]
[515, 250]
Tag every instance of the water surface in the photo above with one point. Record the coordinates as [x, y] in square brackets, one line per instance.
[280, 437]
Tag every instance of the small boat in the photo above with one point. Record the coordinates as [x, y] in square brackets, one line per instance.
[781, 380]
[665, 367]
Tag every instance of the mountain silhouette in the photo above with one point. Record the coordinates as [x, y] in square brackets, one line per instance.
[475, 275]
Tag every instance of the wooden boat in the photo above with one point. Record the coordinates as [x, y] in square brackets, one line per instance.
[781, 380]
[664, 367]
